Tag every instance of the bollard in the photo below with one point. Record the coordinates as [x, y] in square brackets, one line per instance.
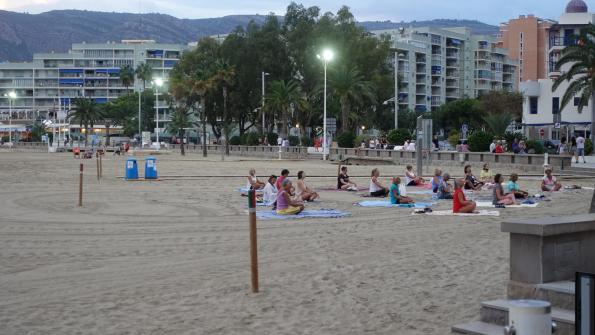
[81, 185]
[253, 243]
[97, 161]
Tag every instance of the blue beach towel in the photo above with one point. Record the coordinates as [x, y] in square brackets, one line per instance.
[384, 203]
[321, 213]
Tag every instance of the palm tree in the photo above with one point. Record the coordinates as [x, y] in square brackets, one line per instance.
[180, 121]
[498, 122]
[352, 89]
[86, 113]
[224, 78]
[127, 77]
[144, 72]
[279, 98]
[581, 73]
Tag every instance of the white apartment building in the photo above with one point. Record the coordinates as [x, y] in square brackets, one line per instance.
[542, 113]
[47, 85]
[437, 66]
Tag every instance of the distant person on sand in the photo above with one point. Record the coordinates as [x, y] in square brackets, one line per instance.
[284, 174]
[303, 192]
[253, 182]
[395, 193]
[436, 180]
[499, 197]
[513, 186]
[269, 194]
[285, 204]
[471, 182]
[343, 182]
[549, 182]
[460, 204]
[376, 188]
[410, 178]
[444, 189]
[580, 148]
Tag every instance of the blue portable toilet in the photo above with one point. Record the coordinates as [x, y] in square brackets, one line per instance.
[131, 169]
[150, 168]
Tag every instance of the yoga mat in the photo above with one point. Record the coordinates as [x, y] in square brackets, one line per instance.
[334, 189]
[322, 213]
[245, 190]
[384, 203]
[450, 213]
[489, 204]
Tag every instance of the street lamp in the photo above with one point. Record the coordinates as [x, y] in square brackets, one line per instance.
[157, 82]
[327, 56]
[11, 96]
[264, 74]
[397, 57]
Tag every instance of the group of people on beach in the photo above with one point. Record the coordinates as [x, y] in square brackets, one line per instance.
[288, 199]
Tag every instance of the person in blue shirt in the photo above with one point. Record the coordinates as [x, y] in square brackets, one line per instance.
[395, 194]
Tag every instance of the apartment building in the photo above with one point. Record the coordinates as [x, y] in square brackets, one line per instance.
[542, 112]
[526, 39]
[51, 81]
[439, 65]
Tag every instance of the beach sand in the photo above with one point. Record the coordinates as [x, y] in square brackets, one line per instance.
[171, 256]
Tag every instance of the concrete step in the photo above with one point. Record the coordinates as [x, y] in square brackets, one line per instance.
[478, 328]
[496, 312]
[559, 294]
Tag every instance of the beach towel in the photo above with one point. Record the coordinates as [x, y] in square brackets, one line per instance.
[523, 204]
[450, 213]
[321, 213]
[384, 203]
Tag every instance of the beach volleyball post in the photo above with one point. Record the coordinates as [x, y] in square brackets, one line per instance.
[253, 244]
[97, 160]
[81, 185]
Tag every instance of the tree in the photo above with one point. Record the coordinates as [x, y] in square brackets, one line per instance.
[144, 73]
[498, 123]
[180, 121]
[86, 113]
[127, 77]
[580, 58]
[502, 102]
[349, 85]
[452, 115]
[37, 131]
[223, 78]
[279, 98]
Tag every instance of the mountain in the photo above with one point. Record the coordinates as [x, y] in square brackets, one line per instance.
[22, 34]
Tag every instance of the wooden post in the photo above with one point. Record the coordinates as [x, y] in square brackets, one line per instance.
[81, 185]
[101, 166]
[253, 243]
[97, 161]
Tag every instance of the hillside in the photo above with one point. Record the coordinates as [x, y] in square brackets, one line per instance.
[23, 34]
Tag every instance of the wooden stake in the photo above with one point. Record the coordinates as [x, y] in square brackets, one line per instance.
[97, 161]
[253, 242]
[100, 167]
[81, 186]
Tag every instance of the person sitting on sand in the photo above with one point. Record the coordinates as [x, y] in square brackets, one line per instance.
[444, 189]
[501, 198]
[376, 188]
[549, 182]
[303, 192]
[471, 182]
[436, 180]
[395, 193]
[460, 204]
[269, 194]
[253, 182]
[285, 204]
[283, 176]
[486, 174]
[411, 179]
[513, 187]
[343, 182]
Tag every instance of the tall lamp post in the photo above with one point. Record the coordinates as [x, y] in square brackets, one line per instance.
[327, 56]
[11, 96]
[158, 82]
[264, 74]
[397, 57]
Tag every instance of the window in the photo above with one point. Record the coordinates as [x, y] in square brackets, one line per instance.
[555, 105]
[533, 105]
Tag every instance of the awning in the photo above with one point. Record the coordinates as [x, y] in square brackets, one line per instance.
[71, 81]
[71, 70]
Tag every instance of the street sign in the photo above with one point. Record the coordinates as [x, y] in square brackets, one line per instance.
[557, 125]
[331, 124]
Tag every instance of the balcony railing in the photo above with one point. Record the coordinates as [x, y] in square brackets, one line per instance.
[557, 41]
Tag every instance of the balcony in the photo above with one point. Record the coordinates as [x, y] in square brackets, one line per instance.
[557, 41]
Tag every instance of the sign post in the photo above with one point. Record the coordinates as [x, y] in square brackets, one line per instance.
[253, 242]
[419, 146]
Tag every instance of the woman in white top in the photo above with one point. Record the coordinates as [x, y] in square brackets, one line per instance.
[253, 182]
[269, 194]
[411, 179]
[376, 188]
[303, 192]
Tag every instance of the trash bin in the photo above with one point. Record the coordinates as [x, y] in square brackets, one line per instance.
[131, 169]
[150, 168]
[529, 317]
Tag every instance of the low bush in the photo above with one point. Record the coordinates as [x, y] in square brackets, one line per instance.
[235, 140]
[479, 141]
[306, 141]
[250, 139]
[588, 147]
[346, 140]
[272, 138]
[535, 147]
[453, 138]
[398, 136]
[294, 141]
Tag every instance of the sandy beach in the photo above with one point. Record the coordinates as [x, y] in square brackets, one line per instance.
[171, 256]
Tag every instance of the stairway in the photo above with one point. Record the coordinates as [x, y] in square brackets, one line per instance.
[494, 313]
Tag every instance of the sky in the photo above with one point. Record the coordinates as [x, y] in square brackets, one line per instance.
[488, 11]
